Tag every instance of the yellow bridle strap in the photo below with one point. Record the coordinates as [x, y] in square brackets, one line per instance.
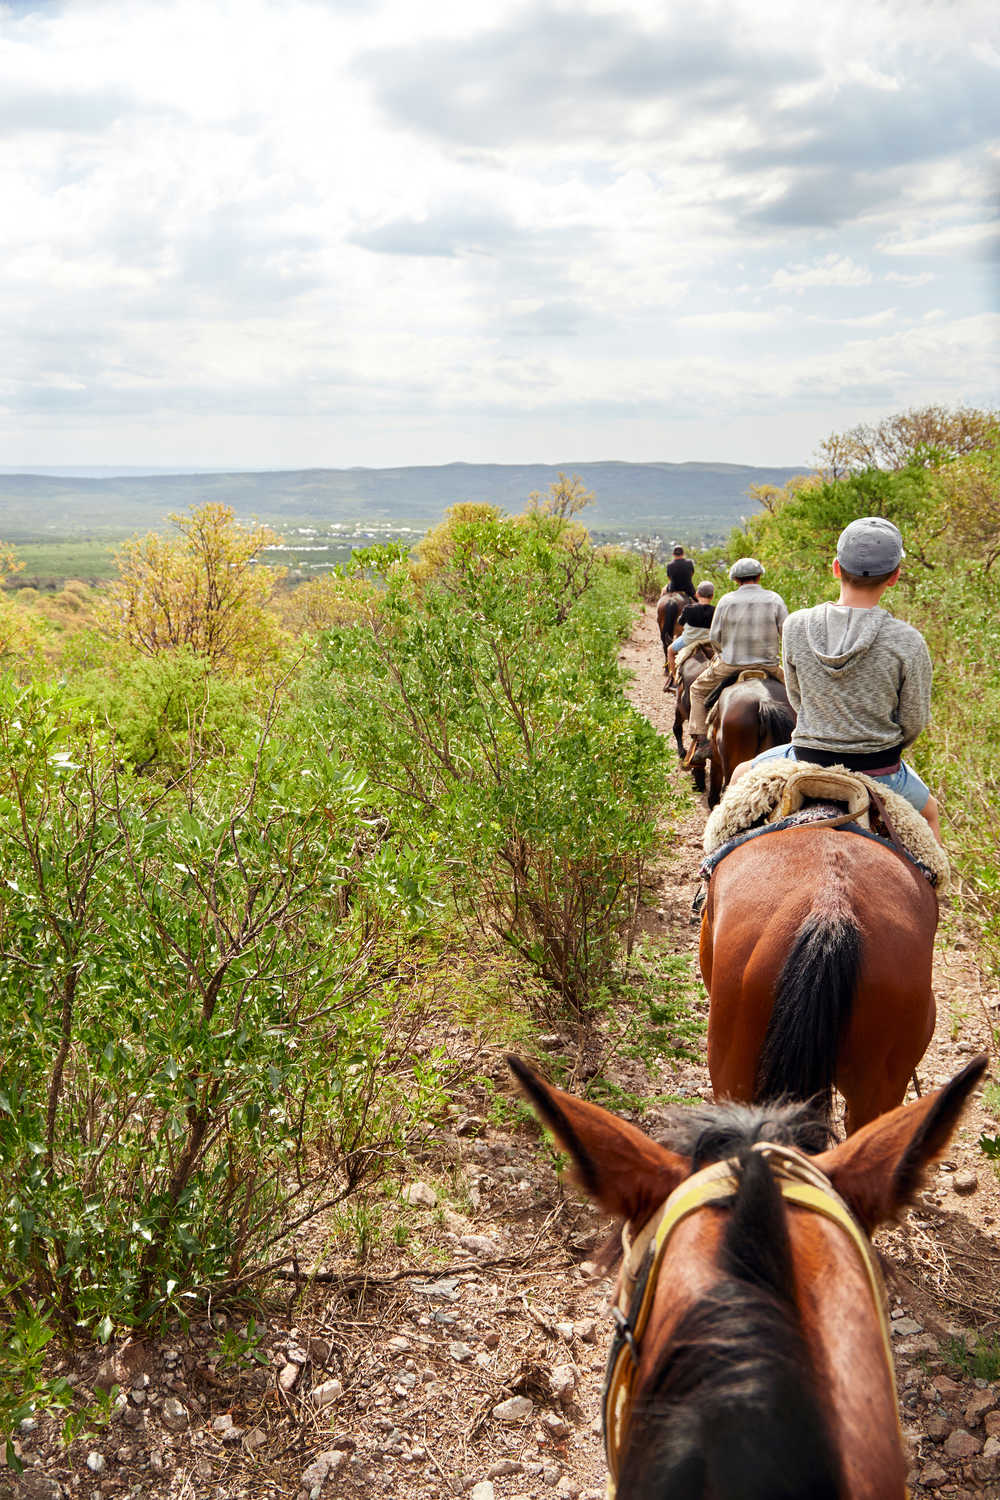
[800, 1182]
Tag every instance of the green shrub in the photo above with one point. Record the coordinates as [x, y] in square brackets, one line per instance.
[206, 1038]
[484, 707]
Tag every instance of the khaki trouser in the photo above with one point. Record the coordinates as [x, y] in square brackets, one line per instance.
[713, 674]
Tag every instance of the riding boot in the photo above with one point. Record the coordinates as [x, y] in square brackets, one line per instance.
[700, 749]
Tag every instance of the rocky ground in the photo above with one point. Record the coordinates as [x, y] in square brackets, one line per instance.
[465, 1354]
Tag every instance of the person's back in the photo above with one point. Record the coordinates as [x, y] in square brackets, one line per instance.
[680, 571]
[860, 681]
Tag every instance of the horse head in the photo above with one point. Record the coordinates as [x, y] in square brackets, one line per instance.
[751, 1354]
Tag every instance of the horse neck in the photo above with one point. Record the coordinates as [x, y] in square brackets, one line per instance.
[842, 1329]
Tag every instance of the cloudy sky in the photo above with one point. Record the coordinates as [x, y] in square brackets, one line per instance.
[288, 233]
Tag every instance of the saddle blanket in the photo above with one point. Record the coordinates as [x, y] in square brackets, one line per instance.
[776, 788]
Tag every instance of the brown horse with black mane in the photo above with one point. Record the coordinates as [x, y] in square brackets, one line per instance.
[668, 609]
[751, 1360]
[816, 949]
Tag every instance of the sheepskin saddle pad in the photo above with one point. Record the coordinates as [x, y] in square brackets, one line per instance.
[776, 790]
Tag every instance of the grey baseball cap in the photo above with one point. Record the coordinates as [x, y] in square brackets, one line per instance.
[870, 547]
[746, 567]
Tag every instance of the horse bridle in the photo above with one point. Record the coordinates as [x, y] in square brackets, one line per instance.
[800, 1182]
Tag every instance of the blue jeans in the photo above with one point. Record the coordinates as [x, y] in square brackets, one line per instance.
[905, 781]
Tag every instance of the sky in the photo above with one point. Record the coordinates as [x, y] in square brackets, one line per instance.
[324, 233]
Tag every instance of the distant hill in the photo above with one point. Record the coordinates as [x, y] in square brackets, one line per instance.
[702, 500]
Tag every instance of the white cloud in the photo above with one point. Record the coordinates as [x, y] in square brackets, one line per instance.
[309, 232]
[832, 270]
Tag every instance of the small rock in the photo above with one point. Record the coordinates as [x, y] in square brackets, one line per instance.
[480, 1244]
[174, 1415]
[326, 1393]
[399, 1345]
[255, 1438]
[232, 1435]
[904, 1327]
[95, 1462]
[296, 1356]
[964, 1182]
[945, 1385]
[483, 1490]
[319, 1471]
[991, 1422]
[554, 1425]
[504, 1468]
[586, 1331]
[460, 1353]
[287, 1376]
[565, 1332]
[133, 1418]
[109, 1373]
[551, 1042]
[550, 1474]
[221, 1424]
[568, 1486]
[419, 1195]
[961, 1444]
[563, 1382]
[979, 1404]
[936, 1427]
[469, 1125]
[514, 1409]
[932, 1475]
[319, 1350]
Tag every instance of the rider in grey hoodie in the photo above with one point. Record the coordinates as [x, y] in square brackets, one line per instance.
[859, 679]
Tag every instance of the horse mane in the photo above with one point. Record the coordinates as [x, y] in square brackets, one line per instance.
[715, 1131]
[732, 1409]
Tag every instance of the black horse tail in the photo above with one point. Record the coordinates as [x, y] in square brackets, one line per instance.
[775, 722]
[812, 1007]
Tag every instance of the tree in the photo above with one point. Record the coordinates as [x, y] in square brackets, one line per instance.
[565, 498]
[204, 590]
[896, 441]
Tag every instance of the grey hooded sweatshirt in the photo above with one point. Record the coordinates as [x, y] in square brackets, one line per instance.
[858, 679]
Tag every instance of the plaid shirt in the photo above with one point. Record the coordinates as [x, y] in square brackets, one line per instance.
[746, 627]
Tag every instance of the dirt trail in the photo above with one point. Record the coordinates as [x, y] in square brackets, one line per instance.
[942, 1263]
[390, 1384]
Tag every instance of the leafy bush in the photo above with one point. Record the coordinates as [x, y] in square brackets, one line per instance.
[483, 705]
[208, 1037]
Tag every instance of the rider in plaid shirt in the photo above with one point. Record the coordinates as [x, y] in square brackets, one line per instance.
[746, 632]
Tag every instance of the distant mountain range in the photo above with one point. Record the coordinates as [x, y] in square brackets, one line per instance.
[702, 500]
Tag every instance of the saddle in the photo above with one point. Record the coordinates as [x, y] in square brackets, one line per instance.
[744, 674]
[781, 793]
[689, 651]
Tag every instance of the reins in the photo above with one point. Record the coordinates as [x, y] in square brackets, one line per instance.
[800, 1182]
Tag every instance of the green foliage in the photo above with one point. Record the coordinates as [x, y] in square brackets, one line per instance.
[483, 705]
[208, 1031]
[981, 1362]
[165, 710]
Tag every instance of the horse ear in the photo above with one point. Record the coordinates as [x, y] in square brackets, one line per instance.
[879, 1169]
[620, 1168]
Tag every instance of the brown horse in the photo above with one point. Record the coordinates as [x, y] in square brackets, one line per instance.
[668, 609]
[753, 1361]
[816, 948]
[686, 673]
[753, 716]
